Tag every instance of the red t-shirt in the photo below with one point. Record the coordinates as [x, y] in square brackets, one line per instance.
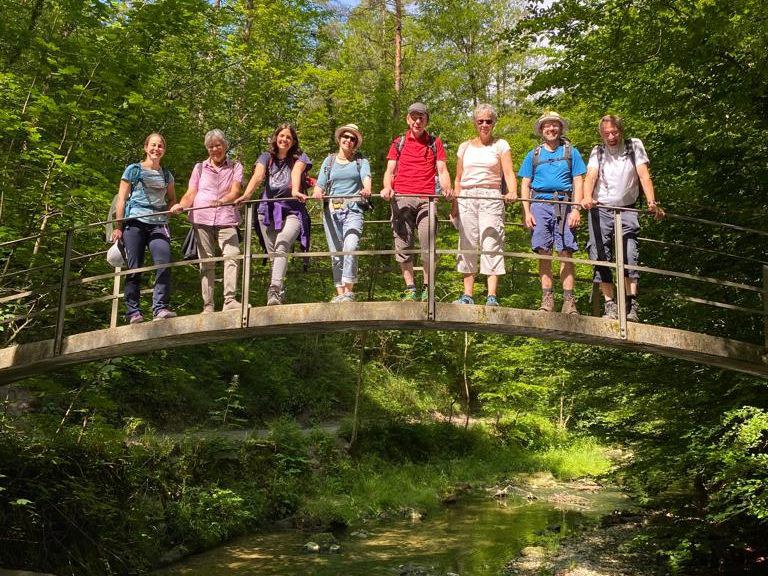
[416, 168]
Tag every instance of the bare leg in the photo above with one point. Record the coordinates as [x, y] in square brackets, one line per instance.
[567, 271]
[545, 272]
[469, 284]
[493, 284]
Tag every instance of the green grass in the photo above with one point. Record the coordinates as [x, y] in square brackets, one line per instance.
[373, 487]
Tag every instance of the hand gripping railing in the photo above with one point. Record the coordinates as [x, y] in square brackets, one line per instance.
[247, 255]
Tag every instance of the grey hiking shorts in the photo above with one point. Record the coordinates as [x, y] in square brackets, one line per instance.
[601, 241]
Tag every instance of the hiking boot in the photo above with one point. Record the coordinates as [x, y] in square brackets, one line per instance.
[547, 302]
[232, 305]
[409, 295]
[208, 309]
[164, 314]
[464, 299]
[135, 318]
[632, 310]
[336, 299]
[347, 297]
[425, 293]
[275, 296]
[491, 300]
[569, 306]
[611, 310]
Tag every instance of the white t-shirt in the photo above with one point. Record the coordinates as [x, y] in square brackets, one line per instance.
[482, 164]
[618, 183]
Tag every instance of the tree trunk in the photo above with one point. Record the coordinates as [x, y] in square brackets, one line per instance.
[398, 56]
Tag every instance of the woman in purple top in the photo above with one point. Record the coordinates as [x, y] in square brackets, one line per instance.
[214, 182]
[282, 218]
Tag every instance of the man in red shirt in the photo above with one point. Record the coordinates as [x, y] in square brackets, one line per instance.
[413, 162]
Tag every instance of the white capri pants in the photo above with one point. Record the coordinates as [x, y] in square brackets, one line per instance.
[481, 226]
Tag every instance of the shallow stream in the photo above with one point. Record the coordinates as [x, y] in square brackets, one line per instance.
[474, 537]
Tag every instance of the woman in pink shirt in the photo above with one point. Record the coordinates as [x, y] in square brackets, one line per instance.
[214, 182]
[479, 209]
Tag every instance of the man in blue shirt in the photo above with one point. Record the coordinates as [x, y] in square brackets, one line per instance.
[554, 171]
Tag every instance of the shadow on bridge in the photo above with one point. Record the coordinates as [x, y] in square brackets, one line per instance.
[19, 360]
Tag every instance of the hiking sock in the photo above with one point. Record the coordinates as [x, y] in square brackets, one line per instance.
[410, 287]
[546, 290]
[567, 294]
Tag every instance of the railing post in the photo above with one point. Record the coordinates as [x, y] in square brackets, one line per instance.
[621, 290]
[115, 298]
[432, 257]
[59, 338]
[245, 289]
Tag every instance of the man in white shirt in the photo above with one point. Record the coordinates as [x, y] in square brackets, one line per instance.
[617, 170]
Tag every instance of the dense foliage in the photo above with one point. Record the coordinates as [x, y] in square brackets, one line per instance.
[82, 83]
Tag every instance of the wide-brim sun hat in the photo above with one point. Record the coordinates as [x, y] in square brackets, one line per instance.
[550, 117]
[349, 128]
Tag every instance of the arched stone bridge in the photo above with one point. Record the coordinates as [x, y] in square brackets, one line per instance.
[27, 359]
[67, 348]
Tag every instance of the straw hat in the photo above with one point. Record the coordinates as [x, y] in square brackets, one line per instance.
[550, 117]
[350, 128]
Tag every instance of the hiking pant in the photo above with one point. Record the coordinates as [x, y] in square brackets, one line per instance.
[481, 225]
[343, 229]
[411, 213]
[278, 244]
[601, 241]
[210, 240]
[137, 237]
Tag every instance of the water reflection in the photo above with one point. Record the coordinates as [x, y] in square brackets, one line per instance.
[474, 537]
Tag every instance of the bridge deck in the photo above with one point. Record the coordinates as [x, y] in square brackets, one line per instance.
[25, 360]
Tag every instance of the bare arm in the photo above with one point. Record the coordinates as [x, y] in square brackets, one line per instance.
[296, 172]
[587, 201]
[509, 176]
[525, 194]
[650, 194]
[574, 218]
[186, 201]
[366, 191]
[123, 192]
[233, 194]
[256, 179]
[389, 174]
[445, 179]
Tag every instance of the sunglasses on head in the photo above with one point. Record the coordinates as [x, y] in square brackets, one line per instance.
[484, 121]
[350, 137]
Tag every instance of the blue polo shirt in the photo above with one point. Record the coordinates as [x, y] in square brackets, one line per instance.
[552, 171]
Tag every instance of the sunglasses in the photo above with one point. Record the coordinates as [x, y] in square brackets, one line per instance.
[349, 137]
[482, 121]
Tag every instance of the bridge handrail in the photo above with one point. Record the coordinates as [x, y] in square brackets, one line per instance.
[618, 265]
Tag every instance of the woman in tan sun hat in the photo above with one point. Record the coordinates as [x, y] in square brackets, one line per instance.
[344, 183]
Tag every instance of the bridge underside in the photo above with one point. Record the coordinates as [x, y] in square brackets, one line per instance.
[28, 359]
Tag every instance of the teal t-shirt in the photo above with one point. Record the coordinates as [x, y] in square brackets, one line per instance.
[148, 194]
[346, 180]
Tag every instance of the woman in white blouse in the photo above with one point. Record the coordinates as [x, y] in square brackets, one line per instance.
[483, 162]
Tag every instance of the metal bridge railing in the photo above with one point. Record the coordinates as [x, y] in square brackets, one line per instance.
[20, 281]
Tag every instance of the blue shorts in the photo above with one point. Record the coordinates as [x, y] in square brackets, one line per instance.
[551, 230]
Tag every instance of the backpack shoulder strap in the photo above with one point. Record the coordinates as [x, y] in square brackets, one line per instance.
[327, 170]
[399, 145]
[629, 149]
[568, 154]
[536, 160]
